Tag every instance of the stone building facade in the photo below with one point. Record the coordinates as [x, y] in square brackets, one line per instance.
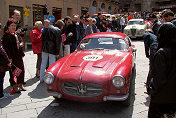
[58, 8]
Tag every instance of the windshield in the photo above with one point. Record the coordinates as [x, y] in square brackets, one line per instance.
[102, 43]
[135, 22]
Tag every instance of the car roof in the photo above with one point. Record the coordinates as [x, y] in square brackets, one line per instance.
[107, 34]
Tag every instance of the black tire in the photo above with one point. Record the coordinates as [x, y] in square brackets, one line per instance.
[134, 72]
[128, 101]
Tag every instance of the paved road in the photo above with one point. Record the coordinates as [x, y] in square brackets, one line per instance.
[34, 103]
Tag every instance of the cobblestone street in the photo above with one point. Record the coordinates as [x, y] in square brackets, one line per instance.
[34, 103]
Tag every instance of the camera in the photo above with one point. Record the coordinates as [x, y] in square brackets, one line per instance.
[23, 29]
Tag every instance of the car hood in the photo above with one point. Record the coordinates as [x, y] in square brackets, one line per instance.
[89, 64]
[135, 26]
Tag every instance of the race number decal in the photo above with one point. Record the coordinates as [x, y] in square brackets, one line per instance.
[92, 57]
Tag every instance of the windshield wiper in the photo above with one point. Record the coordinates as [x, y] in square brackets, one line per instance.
[98, 48]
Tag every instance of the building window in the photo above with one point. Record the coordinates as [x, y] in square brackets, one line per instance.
[37, 13]
[12, 8]
[57, 13]
[69, 12]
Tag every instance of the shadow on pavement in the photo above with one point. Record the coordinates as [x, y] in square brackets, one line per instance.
[39, 92]
[31, 81]
[6, 102]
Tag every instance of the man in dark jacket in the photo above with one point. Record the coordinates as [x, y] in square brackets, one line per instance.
[155, 24]
[51, 40]
[70, 31]
[98, 24]
[168, 16]
[163, 97]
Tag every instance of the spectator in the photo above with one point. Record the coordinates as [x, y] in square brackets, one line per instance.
[5, 64]
[45, 12]
[19, 30]
[51, 40]
[118, 22]
[37, 44]
[80, 30]
[68, 33]
[151, 45]
[73, 28]
[60, 24]
[168, 16]
[94, 27]
[88, 24]
[46, 24]
[98, 24]
[109, 25]
[122, 23]
[155, 24]
[163, 98]
[114, 24]
[13, 46]
[103, 25]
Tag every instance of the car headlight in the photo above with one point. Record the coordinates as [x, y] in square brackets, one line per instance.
[118, 81]
[141, 31]
[48, 78]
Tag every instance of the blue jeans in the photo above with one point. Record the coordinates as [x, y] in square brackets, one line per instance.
[45, 57]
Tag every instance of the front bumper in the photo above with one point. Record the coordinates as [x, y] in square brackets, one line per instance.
[105, 98]
[115, 97]
[135, 36]
[55, 94]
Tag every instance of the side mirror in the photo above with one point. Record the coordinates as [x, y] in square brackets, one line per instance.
[82, 46]
[134, 49]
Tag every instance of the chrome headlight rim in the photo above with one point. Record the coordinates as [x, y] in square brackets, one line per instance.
[141, 31]
[48, 80]
[115, 77]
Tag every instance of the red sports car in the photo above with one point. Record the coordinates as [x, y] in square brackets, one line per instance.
[101, 69]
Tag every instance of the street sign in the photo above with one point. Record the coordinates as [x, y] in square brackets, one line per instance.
[51, 18]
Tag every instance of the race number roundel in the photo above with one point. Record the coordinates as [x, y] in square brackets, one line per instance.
[92, 57]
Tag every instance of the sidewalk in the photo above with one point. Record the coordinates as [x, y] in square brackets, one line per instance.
[25, 104]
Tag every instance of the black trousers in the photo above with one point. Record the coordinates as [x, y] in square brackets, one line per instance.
[2, 74]
[158, 110]
[39, 61]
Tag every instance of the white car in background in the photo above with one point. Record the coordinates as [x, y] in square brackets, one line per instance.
[135, 28]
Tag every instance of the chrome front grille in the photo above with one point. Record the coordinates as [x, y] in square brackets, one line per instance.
[133, 32]
[82, 89]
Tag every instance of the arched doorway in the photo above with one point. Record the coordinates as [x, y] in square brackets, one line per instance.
[102, 7]
[94, 7]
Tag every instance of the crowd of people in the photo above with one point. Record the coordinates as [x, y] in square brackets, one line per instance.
[54, 41]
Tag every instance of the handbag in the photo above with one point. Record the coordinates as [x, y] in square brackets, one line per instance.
[3, 61]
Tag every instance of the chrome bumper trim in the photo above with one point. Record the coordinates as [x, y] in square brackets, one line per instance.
[115, 97]
[55, 94]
